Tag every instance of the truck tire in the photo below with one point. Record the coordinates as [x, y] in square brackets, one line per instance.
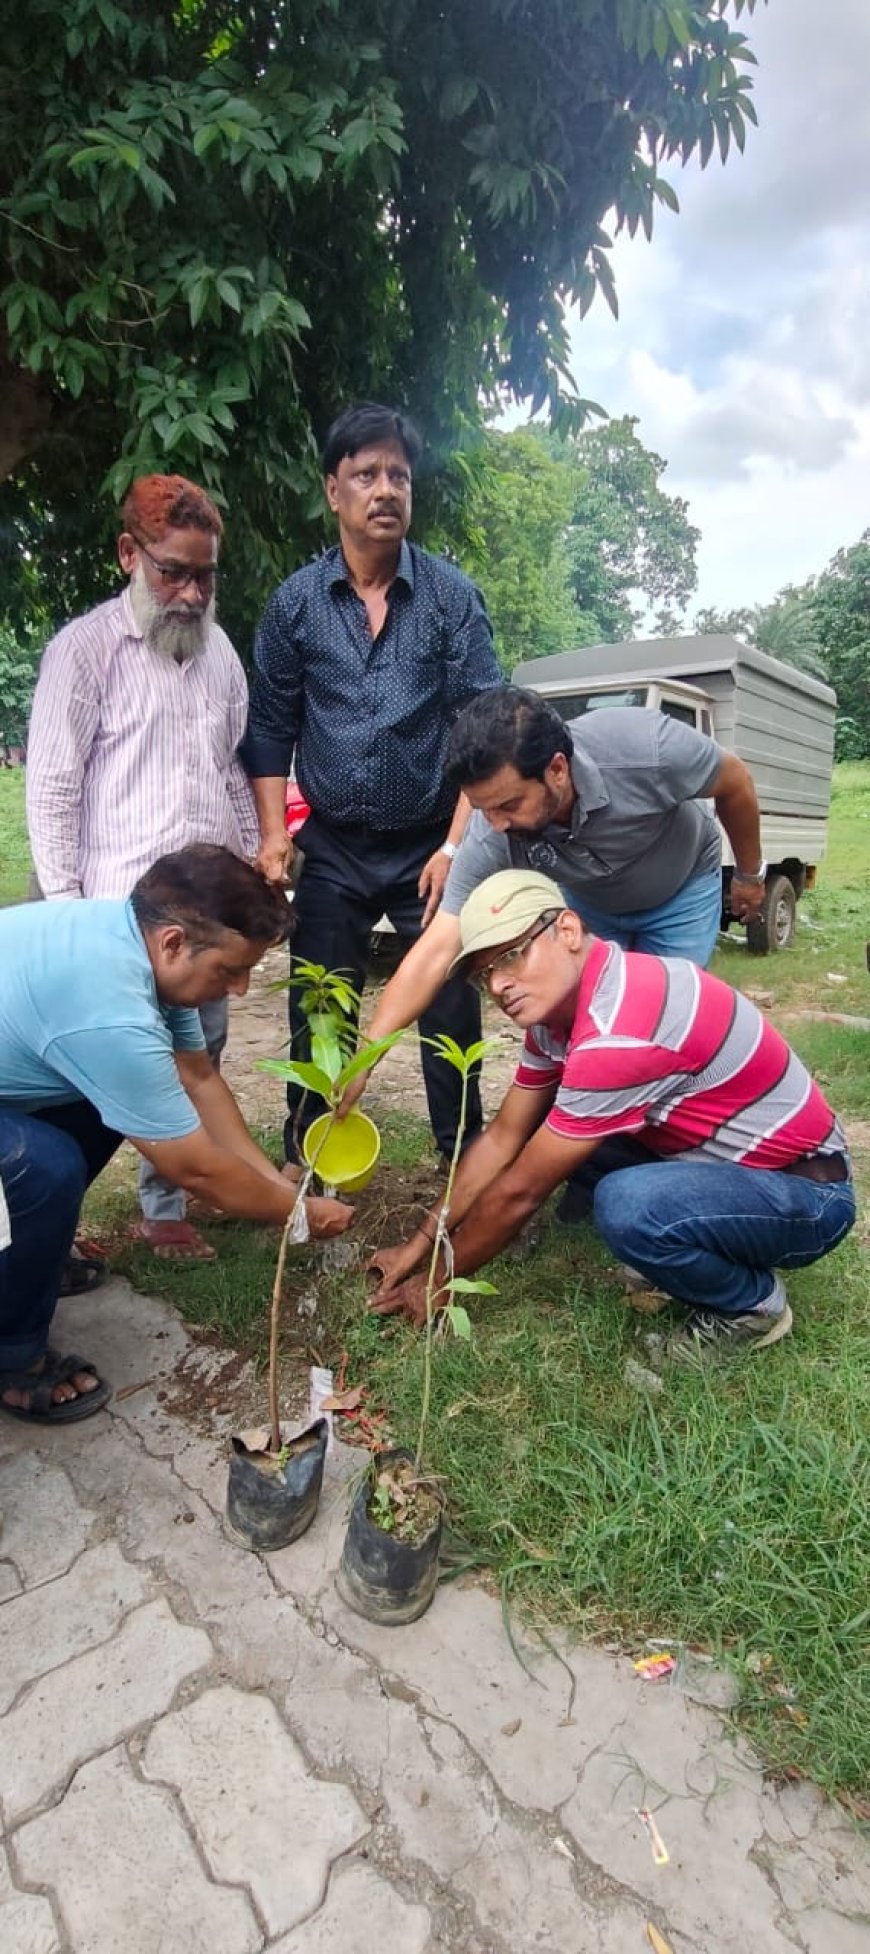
[775, 927]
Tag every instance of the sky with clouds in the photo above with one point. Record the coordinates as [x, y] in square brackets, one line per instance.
[743, 341]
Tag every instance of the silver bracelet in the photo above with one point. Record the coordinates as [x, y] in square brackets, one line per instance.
[756, 879]
[450, 849]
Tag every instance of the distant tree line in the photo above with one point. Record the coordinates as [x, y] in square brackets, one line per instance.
[823, 626]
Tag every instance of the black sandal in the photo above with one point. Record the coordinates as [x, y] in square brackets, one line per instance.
[82, 1273]
[40, 1384]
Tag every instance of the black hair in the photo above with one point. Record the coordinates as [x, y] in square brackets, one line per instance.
[206, 890]
[364, 424]
[506, 727]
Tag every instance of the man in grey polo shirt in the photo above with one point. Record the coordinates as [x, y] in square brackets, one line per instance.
[612, 807]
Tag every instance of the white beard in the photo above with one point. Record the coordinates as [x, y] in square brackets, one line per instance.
[172, 630]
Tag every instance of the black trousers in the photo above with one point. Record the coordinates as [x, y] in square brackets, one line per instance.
[352, 877]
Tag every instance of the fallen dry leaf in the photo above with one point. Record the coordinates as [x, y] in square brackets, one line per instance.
[657, 1940]
[345, 1400]
[257, 1438]
[510, 1729]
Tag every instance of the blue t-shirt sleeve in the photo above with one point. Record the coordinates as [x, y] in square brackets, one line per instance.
[130, 1076]
[185, 1027]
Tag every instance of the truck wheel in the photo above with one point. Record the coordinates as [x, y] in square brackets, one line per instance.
[775, 927]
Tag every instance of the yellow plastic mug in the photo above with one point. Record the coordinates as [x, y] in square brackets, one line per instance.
[347, 1158]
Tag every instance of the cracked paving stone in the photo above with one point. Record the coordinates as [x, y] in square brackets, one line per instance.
[94, 1701]
[262, 1819]
[822, 1883]
[9, 1582]
[126, 1874]
[706, 1797]
[26, 1920]
[360, 1913]
[439, 1802]
[45, 1526]
[524, 1891]
[65, 1617]
[455, 1659]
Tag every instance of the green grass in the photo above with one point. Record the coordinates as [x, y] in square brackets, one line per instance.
[14, 852]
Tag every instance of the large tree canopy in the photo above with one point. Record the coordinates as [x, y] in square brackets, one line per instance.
[219, 222]
[573, 538]
[841, 613]
[628, 540]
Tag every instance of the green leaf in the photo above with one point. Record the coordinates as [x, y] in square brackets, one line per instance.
[468, 1286]
[368, 1056]
[326, 1052]
[459, 1320]
[298, 1073]
[74, 375]
[204, 137]
[457, 95]
[448, 1049]
[197, 299]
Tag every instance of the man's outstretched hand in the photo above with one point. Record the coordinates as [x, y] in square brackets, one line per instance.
[409, 1299]
[274, 858]
[326, 1217]
[430, 887]
[393, 1265]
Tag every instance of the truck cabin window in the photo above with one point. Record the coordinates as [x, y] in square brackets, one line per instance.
[677, 710]
[572, 705]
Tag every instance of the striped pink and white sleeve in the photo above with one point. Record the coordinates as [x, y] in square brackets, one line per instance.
[63, 725]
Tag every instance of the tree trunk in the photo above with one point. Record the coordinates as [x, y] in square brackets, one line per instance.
[25, 412]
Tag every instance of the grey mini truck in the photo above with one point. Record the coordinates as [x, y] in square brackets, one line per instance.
[776, 718]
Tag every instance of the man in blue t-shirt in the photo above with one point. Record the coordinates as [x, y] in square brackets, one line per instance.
[100, 1040]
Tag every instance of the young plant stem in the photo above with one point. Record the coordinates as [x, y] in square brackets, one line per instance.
[431, 1282]
[275, 1312]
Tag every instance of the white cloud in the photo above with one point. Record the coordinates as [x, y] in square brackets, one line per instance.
[743, 342]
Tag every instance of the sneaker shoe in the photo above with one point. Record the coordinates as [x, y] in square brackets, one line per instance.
[642, 1295]
[706, 1334]
[632, 1279]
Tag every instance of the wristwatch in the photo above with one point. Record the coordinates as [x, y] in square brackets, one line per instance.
[756, 879]
[450, 849]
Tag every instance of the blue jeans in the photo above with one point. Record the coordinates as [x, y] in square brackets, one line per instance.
[687, 925]
[711, 1234]
[46, 1162]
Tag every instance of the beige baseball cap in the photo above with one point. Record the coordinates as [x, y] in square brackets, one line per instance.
[501, 908]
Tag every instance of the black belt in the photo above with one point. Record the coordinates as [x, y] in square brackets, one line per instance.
[820, 1167]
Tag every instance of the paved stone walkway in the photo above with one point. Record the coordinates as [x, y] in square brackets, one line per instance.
[204, 1753]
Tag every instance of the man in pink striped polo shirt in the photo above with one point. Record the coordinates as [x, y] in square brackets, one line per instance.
[712, 1157]
[138, 712]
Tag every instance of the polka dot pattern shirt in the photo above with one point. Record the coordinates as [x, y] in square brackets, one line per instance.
[367, 719]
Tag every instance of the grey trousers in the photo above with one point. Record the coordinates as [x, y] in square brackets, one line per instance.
[159, 1199]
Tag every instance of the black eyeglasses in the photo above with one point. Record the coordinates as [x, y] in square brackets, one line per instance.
[509, 959]
[177, 575]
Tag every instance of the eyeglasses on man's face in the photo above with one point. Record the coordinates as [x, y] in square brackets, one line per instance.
[176, 576]
[511, 958]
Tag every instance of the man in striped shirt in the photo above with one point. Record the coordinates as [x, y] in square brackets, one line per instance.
[138, 712]
[715, 1159]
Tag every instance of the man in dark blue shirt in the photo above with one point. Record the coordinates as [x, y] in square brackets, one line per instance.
[363, 661]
